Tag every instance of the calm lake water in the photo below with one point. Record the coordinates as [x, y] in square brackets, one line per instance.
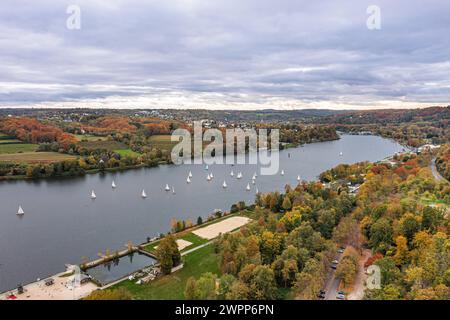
[62, 224]
[119, 268]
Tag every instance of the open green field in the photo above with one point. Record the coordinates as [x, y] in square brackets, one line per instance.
[12, 148]
[35, 157]
[127, 153]
[108, 145]
[89, 137]
[194, 239]
[171, 287]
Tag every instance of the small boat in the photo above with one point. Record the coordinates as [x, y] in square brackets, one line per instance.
[253, 181]
[248, 187]
[113, 185]
[173, 190]
[340, 153]
[257, 191]
[211, 175]
[206, 167]
[93, 195]
[208, 177]
[143, 195]
[232, 173]
[254, 176]
[190, 174]
[224, 185]
[282, 172]
[167, 188]
[298, 178]
[239, 175]
[188, 180]
[20, 212]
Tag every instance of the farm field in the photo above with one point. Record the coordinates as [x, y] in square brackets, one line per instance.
[162, 142]
[89, 137]
[35, 157]
[13, 148]
[107, 145]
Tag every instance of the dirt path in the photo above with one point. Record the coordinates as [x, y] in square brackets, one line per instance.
[360, 279]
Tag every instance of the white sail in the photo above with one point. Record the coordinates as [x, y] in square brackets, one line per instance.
[167, 188]
[282, 172]
[254, 177]
[239, 176]
[232, 173]
[188, 180]
[257, 191]
[113, 184]
[211, 175]
[253, 181]
[20, 211]
[190, 174]
[208, 177]
[340, 153]
[93, 196]
[173, 190]
[224, 184]
[298, 178]
[206, 167]
[144, 195]
[248, 187]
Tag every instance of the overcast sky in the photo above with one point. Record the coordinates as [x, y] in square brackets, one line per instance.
[224, 54]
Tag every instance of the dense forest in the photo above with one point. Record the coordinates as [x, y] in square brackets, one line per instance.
[287, 251]
[443, 161]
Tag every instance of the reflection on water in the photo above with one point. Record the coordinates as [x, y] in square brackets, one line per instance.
[62, 223]
[118, 268]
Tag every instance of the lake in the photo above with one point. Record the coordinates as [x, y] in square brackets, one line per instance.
[62, 223]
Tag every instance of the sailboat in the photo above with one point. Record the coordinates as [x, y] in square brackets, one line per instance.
[224, 184]
[239, 175]
[211, 175]
[298, 178]
[113, 184]
[248, 187]
[257, 191]
[282, 172]
[206, 167]
[173, 190]
[254, 176]
[253, 181]
[167, 188]
[340, 153]
[93, 196]
[232, 173]
[20, 212]
[143, 195]
[190, 174]
[208, 177]
[188, 180]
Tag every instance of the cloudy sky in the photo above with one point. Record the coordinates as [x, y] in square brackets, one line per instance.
[224, 54]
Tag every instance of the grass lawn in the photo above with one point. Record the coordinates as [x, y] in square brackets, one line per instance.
[196, 241]
[35, 157]
[127, 153]
[10, 148]
[171, 287]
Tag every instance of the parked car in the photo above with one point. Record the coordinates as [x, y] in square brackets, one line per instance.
[334, 264]
[321, 294]
[340, 250]
[340, 295]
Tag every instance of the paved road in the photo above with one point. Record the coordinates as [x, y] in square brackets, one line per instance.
[434, 171]
[332, 284]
